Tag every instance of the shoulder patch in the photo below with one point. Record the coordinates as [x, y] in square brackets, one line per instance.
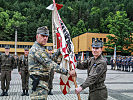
[43, 55]
[94, 64]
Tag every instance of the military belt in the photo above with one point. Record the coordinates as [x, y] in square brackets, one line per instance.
[5, 65]
[97, 86]
[43, 77]
[5, 69]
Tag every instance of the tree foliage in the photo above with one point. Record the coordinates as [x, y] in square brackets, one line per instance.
[79, 16]
[121, 27]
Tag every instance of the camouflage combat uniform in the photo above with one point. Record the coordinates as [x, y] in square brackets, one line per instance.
[7, 64]
[40, 65]
[50, 83]
[23, 68]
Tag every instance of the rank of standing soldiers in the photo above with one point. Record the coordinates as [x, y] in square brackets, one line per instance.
[122, 63]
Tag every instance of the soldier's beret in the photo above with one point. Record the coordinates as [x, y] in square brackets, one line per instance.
[49, 48]
[26, 49]
[43, 30]
[7, 47]
[97, 43]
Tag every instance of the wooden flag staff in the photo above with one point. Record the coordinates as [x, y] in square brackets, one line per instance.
[75, 83]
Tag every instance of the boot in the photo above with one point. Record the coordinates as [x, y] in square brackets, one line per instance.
[50, 92]
[6, 93]
[3, 93]
[27, 94]
[23, 93]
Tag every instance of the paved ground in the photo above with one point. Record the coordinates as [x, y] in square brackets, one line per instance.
[119, 84]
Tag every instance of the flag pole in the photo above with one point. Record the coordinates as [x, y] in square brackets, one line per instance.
[53, 33]
[74, 78]
[75, 83]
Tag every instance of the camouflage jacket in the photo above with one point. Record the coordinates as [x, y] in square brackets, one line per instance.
[23, 63]
[40, 63]
[6, 62]
[96, 72]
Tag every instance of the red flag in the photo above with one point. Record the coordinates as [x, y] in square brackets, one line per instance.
[58, 38]
[59, 6]
[63, 41]
[67, 50]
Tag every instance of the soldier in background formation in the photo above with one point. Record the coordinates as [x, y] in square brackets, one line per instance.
[7, 64]
[131, 63]
[40, 66]
[124, 63]
[50, 83]
[112, 63]
[23, 71]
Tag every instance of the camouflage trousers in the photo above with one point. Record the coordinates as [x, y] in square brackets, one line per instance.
[25, 79]
[5, 78]
[41, 92]
[98, 95]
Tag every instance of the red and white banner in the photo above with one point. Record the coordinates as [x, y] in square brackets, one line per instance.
[63, 41]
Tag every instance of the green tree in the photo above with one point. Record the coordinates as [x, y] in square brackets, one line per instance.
[119, 25]
[95, 19]
[79, 29]
[9, 20]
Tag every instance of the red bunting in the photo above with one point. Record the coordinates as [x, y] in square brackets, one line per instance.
[59, 6]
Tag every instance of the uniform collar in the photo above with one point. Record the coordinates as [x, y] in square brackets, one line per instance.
[100, 56]
[38, 45]
[7, 55]
[25, 56]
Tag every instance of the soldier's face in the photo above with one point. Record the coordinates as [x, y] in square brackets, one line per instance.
[50, 51]
[96, 51]
[26, 52]
[7, 51]
[41, 39]
[15, 57]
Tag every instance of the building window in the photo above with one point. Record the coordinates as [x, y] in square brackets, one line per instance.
[104, 40]
[93, 39]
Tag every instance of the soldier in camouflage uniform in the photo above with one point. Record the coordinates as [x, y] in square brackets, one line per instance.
[40, 66]
[23, 70]
[97, 68]
[7, 63]
[50, 83]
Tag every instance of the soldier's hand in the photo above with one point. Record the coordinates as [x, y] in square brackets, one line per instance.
[72, 72]
[78, 90]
